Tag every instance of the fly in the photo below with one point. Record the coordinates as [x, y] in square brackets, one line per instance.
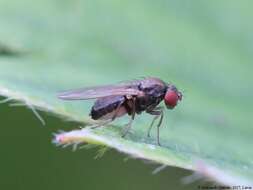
[134, 97]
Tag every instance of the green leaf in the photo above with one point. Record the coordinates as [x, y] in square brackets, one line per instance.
[204, 48]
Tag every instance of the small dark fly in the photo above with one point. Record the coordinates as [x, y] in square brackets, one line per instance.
[134, 97]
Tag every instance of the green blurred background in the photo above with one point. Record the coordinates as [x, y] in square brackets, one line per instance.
[204, 47]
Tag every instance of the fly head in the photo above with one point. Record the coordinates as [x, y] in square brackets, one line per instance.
[172, 96]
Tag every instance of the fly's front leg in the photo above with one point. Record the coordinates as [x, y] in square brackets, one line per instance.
[158, 112]
[153, 121]
[158, 128]
[129, 124]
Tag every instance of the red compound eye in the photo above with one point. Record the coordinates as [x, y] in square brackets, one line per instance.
[171, 98]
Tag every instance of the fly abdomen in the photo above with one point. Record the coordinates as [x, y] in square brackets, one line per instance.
[105, 106]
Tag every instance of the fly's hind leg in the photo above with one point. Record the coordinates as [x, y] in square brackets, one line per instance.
[129, 124]
[102, 123]
[157, 112]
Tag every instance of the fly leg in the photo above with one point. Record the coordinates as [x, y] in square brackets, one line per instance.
[152, 123]
[158, 112]
[109, 120]
[129, 124]
[103, 123]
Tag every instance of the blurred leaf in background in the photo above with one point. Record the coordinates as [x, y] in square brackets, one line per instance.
[204, 47]
[30, 161]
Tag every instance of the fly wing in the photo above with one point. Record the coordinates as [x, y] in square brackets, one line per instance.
[100, 91]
